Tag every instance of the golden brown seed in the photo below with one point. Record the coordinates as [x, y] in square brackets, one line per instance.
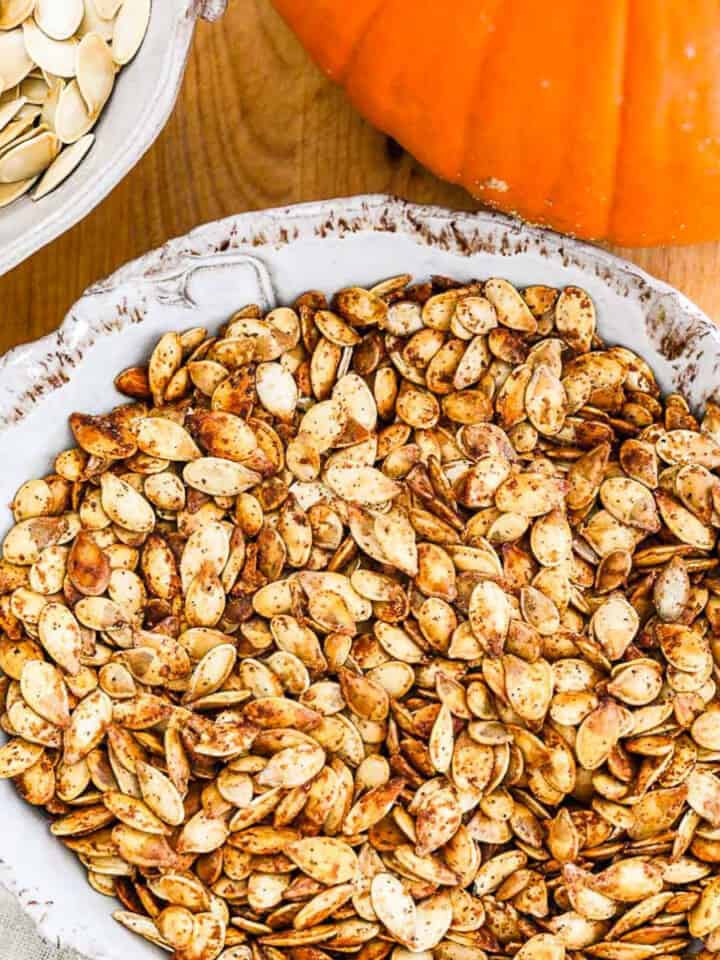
[382, 625]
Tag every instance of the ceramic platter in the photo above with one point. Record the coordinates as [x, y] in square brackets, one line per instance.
[269, 258]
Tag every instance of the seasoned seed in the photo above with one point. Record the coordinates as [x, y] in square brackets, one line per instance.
[380, 641]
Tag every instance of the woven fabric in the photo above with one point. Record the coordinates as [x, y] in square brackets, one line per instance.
[19, 939]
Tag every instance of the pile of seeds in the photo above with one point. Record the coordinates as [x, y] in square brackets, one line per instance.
[380, 626]
[58, 61]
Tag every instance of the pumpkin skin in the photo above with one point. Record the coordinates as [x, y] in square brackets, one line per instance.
[600, 118]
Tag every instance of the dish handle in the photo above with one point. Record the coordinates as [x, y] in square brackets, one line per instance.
[196, 279]
[208, 9]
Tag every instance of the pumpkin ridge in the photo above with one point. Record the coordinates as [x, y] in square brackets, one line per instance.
[476, 86]
[421, 69]
[622, 117]
[545, 118]
[324, 36]
[361, 37]
[668, 188]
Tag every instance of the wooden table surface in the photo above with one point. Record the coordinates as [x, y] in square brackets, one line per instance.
[256, 125]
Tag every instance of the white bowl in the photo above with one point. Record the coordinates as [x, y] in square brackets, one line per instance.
[141, 103]
[270, 258]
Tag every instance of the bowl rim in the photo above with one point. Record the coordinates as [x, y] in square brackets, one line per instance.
[164, 271]
[464, 233]
[150, 123]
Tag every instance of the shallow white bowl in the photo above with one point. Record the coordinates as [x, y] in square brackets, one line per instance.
[270, 258]
[140, 106]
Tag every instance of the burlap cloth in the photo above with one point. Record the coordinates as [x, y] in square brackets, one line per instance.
[18, 937]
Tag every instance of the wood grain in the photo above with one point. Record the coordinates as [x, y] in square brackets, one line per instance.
[256, 125]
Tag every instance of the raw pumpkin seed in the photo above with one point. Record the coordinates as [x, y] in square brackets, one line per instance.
[60, 59]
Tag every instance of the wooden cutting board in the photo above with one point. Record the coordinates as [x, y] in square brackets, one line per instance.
[256, 125]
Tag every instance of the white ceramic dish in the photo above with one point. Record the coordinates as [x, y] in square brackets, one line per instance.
[271, 257]
[141, 104]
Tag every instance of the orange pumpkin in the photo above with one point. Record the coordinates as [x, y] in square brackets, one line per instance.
[600, 118]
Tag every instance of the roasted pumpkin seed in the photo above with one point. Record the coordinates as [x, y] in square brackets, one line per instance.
[366, 628]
